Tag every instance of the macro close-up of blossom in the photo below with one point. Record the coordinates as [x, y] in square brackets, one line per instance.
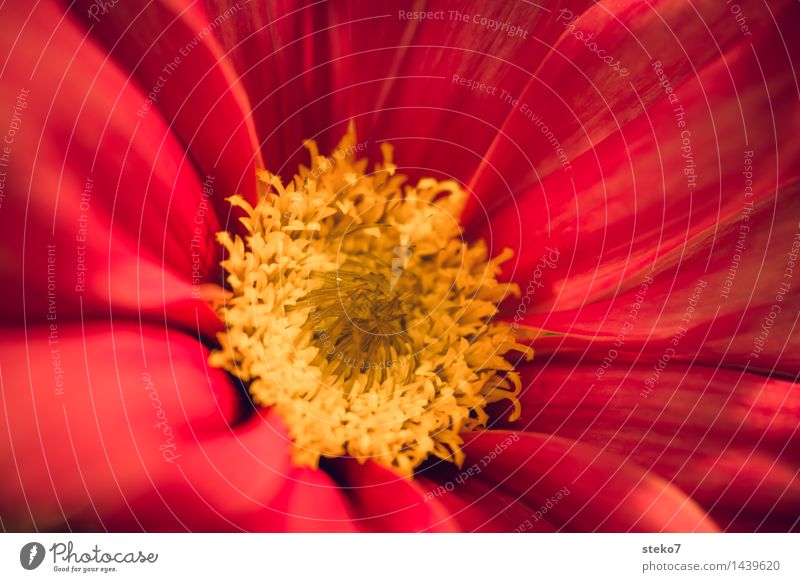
[373, 266]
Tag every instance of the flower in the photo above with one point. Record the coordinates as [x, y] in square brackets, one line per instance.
[366, 345]
[638, 158]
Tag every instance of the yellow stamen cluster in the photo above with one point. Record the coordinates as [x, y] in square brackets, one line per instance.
[359, 314]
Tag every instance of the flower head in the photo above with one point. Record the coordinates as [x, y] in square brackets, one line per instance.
[365, 347]
[368, 344]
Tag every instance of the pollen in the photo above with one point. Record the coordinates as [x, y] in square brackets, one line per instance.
[358, 313]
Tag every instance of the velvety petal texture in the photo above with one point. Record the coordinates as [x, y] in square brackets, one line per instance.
[171, 51]
[603, 72]
[384, 501]
[127, 429]
[727, 438]
[728, 297]
[100, 210]
[680, 169]
[601, 491]
[639, 158]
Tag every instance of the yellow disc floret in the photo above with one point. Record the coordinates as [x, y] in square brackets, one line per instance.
[358, 312]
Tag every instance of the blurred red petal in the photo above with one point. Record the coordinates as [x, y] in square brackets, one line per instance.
[382, 501]
[129, 430]
[392, 74]
[727, 438]
[266, 46]
[240, 480]
[725, 298]
[313, 502]
[477, 505]
[605, 491]
[629, 201]
[410, 81]
[112, 195]
[582, 99]
[171, 49]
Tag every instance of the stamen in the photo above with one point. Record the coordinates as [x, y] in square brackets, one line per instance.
[359, 314]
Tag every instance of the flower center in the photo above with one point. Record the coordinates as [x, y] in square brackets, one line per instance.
[358, 312]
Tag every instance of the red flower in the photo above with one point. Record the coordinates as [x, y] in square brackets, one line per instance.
[639, 157]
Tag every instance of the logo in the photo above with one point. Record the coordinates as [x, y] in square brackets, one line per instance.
[31, 555]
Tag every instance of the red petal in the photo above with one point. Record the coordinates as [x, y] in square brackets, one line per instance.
[604, 492]
[582, 99]
[727, 438]
[393, 74]
[114, 196]
[253, 35]
[409, 81]
[630, 202]
[241, 480]
[314, 502]
[726, 298]
[171, 50]
[137, 438]
[382, 501]
[478, 506]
